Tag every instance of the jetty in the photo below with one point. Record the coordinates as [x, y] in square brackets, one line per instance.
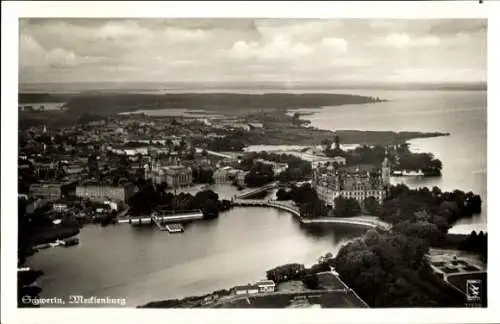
[163, 217]
[175, 228]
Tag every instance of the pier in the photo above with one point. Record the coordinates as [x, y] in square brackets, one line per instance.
[158, 223]
[161, 218]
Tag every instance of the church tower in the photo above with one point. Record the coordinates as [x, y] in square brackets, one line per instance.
[386, 170]
[336, 141]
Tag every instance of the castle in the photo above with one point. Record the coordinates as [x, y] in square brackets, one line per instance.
[332, 180]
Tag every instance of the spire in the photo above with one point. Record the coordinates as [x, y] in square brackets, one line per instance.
[336, 140]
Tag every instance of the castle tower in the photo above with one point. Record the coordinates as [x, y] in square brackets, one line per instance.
[386, 170]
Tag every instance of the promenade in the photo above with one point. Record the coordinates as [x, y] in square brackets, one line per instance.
[369, 221]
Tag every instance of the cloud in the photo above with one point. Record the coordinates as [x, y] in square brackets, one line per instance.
[122, 30]
[405, 40]
[278, 48]
[180, 35]
[34, 55]
[337, 44]
[248, 49]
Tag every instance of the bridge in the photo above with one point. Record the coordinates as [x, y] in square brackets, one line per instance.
[369, 221]
[257, 190]
[218, 154]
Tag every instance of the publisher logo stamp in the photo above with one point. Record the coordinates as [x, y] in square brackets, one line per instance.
[474, 290]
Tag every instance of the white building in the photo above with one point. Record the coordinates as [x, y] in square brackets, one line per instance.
[266, 286]
[277, 167]
[101, 192]
[226, 174]
[240, 178]
[221, 175]
[246, 290]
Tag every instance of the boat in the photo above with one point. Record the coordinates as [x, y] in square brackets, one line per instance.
[174, 228]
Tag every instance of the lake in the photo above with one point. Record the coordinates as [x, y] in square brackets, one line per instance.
[144, 264]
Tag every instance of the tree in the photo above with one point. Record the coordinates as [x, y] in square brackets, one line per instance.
[346, 207]
[372, 206]
[436, 191]
[326, 144]
[282, 194]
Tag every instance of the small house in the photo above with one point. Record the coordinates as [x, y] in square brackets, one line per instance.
[246, 290]
[266, 286]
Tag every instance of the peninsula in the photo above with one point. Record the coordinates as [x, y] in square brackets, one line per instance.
[270, 111]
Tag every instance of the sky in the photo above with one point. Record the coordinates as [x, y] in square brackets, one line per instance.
[252, 50]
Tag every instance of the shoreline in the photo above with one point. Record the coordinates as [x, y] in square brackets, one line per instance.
[361, 220]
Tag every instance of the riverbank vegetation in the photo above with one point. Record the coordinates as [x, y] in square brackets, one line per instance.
[442, 209]
[389, 269]
[150, 197]
[400, 157]
[297, 170]
[402, 205]
[259, 175]
[306, 198]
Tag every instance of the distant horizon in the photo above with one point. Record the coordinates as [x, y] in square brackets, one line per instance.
[264, 82]
[103, 86]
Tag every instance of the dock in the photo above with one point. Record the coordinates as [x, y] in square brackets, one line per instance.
[180, 216]
[158, 223]
[175, 228]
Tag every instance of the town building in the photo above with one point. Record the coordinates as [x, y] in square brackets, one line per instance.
[221, 175]
[179, 176]
[226, 175]
[60, 207]
[74, 168]
[52, 191]
[170, 172]
[103, 192]
[33, 204]
[240, 178]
